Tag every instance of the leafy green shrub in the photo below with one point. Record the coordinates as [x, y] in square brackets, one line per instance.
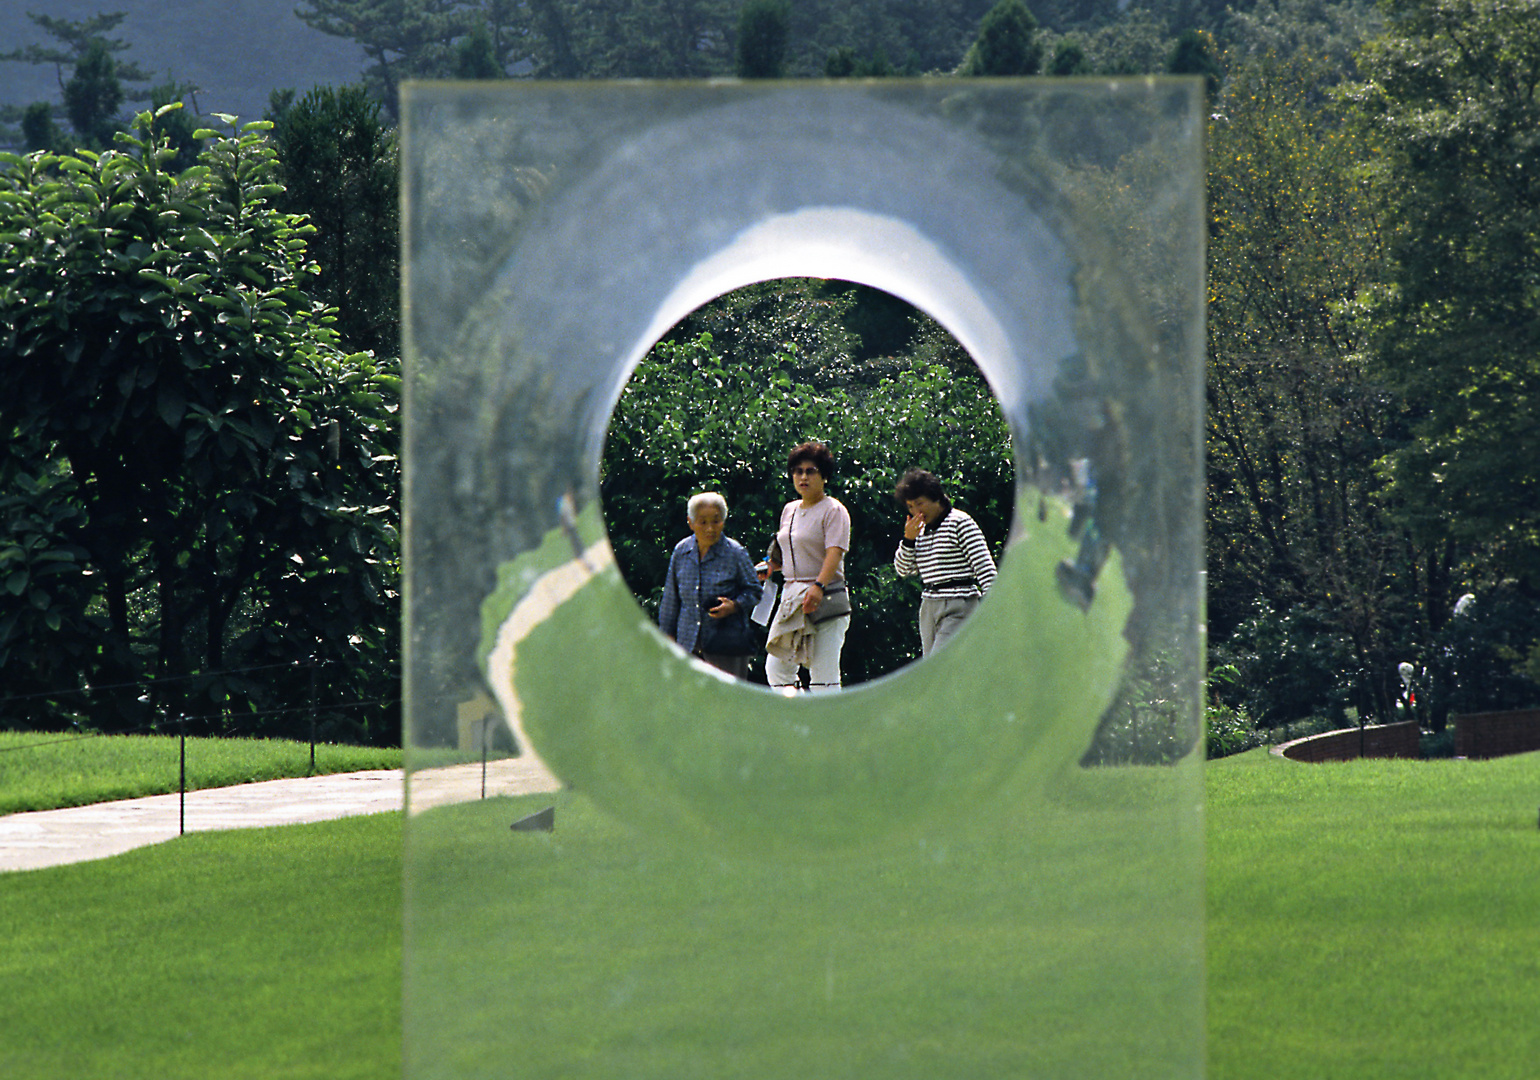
[1438, 744]
[1227, 728]
[200, 483]
[1291, 665]
[1150, 721]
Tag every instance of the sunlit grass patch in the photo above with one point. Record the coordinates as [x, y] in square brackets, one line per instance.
[1366, 920]
[261, 953]
[44, 770]
[1373, 918]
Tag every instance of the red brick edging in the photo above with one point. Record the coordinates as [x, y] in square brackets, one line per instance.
[1348, 744]
[1496, 734]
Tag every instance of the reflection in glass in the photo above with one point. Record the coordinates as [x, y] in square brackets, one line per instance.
[719, 401]
[987, 864]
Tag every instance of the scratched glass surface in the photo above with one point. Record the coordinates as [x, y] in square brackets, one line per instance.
[986, 864]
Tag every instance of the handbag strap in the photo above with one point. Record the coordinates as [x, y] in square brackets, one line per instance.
[791, 544]
[791, 553]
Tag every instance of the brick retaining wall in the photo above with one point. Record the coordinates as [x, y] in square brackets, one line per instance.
[1377, 741]
[1495, 734]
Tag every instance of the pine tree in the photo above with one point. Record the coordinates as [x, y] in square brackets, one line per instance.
[1007, 42]
[762, 33]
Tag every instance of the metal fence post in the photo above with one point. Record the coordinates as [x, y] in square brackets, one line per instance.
[313, 674]
[181, 826]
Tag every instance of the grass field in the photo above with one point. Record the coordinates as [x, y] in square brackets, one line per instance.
[1068, 949]
[1366, 920]
[42, 770]
[1374, 918]
[269, 954]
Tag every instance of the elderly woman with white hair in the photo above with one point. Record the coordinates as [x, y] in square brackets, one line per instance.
[710, 589]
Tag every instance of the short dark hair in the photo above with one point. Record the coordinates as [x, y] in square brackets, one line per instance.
[920, 484]
[814, 453]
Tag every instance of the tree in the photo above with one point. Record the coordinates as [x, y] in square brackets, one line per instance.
[1077, 16]
[337, 161]
[475, 57]
[92, 96]
[75, 39]
[1138, 43]
[553, 24]
[200, 484]
[39, 130]
[1006, 44]
[762, 30]
[799, 322]
[91, 74]
[1069, 58]
[1449, 92]
[1314, 591]
[915, 36]
[1330, 34]
[843, 63]
[575, 39]
[655, 39]
[1195, 54]
[405, 39]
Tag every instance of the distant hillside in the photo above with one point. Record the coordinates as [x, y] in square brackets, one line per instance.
[235, 51]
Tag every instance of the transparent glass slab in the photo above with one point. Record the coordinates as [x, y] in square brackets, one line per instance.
[621, 863]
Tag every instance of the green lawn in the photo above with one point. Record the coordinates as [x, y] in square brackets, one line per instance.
[43, 770]
[982, 953]
[1374, 919]
[1366, 920]
[266, 954]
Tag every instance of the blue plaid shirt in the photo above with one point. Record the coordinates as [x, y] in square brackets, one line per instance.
[693, 585]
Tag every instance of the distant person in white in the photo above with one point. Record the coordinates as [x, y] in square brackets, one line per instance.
[946, 547]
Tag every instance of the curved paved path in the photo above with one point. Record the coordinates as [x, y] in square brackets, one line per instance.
[80, 833]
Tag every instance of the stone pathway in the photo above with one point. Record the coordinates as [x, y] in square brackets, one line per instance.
[80, 833]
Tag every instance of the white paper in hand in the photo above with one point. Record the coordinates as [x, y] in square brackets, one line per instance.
[765, 609]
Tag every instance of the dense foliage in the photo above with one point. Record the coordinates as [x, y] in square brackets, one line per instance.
[1372, 362]
[1372, 359]
[762, 29]
[198, 486]
[93, 92]
[571, 39]
[1451, 94]
[1295, 418]
[1007, 43]
[337, 162]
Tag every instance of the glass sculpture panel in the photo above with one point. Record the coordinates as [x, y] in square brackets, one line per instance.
[621, 863]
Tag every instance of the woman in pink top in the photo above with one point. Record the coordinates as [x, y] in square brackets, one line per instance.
[811, 541]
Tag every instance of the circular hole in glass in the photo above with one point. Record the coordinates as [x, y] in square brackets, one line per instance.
[726, 393]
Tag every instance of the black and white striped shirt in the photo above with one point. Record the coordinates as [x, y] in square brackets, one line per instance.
[951, 557]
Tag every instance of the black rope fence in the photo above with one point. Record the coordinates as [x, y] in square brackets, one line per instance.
[159, 727]
[233, 720]
[164, 680]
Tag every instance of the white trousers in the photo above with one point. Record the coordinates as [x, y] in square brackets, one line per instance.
[826, 644]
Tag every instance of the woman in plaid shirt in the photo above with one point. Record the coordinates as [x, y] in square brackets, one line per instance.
[710, 589]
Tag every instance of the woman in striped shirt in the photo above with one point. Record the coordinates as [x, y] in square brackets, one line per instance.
[946, 547]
